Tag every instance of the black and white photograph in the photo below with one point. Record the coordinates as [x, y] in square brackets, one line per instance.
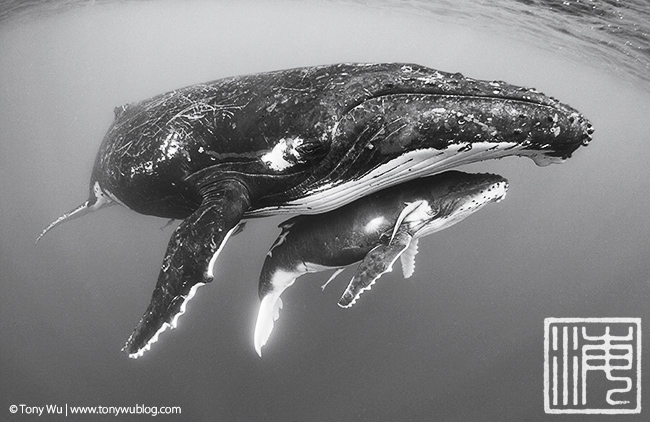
[335, 210]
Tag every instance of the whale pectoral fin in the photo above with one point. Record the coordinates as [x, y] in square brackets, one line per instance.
[377, 262]
[332, 277]
[411, 208]
[408, 258]
[239, 228]
[191, 254]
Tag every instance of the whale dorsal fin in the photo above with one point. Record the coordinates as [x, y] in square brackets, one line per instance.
[285, 227]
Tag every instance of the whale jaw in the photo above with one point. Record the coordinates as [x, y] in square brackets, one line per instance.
[412, 165]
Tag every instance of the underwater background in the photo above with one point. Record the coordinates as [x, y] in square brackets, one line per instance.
[462, 340]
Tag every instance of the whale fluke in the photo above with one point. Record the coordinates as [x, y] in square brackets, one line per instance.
[97, 200]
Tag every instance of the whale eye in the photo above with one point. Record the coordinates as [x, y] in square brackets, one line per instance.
[310, 150]
[384, 238]
[434, 211]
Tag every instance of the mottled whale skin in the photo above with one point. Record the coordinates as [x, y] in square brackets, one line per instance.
[304, 140]
[376, 230]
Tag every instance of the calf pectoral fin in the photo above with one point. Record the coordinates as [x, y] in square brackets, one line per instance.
[410, 210]
[408, 258]
[332, 277]
[191, 253]
[377, 262]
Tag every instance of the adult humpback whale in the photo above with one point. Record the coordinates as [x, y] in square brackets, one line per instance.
[376, 230]
[304, 140]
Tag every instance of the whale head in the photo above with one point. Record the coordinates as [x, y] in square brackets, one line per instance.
[453, 197]
[412, 121]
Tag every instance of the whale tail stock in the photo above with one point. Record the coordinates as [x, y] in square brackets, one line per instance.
[97, 199]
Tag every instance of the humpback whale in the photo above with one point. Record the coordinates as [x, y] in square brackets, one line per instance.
[304, 140]
[377, 230]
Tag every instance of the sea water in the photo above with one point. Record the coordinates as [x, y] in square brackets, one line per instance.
[462, 340]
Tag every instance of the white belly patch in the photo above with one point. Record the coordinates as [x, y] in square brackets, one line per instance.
[414, 164]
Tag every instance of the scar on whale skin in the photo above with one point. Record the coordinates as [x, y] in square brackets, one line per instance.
[304, 141]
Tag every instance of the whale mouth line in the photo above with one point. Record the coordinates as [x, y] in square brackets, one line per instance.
[493, 97]
[414, 164]
[461, 208]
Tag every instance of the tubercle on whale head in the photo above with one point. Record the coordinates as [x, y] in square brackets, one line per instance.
[303, 124]
[552, 127]
[456, 196]
[390, 126]
[458, 181]
[479, 187]
[210, 152]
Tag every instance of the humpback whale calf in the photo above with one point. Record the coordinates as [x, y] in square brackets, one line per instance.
[376, 229]
[305, 140]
